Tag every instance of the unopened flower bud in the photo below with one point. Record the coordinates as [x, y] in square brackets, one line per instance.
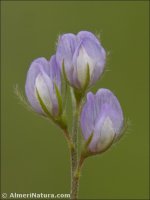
[43, 87]
[83, 57]
[101, 116]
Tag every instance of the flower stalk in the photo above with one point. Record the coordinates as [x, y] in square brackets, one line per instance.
[76, 178]
[76, 103]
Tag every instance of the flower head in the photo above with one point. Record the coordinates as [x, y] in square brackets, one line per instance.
[83, 57]
[101, 115]
[42, 86]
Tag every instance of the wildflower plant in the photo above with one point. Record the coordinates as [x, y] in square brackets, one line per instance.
[78, 63]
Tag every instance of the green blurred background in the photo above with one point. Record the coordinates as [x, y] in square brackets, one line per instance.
[35, 157]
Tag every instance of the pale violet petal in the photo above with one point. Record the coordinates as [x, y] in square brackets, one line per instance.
[86, 34]
[80, 61]
[65, 49]
[35, 68]
[107, 134]
[98, 56]
[101, 115]
[55, 73]
[88, 116]
[110, 106]
[43, 90]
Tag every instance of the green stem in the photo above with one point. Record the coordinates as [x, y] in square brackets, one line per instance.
[76, 179]
[74, 152]
[68, 139]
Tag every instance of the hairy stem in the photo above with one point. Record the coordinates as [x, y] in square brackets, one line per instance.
[74, 152]
[68, 139]
[76, 179]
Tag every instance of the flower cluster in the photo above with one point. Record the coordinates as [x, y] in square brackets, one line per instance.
[80, 61]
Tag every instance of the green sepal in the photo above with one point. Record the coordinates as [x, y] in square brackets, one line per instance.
[22, 99]
[43, 105]
[79, 93]
[85, 151]
[64, 73]
[87, 80]
[64, 86]
[87, 143]
[59, 120]
[59, 99]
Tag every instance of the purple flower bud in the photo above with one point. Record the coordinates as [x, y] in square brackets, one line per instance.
[42, 79]
[101, 115]
[82, 55]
